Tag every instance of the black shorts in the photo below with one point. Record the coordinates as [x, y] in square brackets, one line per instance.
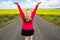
[27, 32]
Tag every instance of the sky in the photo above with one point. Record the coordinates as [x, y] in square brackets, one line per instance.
[8, 4]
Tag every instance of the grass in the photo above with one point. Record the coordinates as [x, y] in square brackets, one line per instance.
[6, 19]
[51, 18]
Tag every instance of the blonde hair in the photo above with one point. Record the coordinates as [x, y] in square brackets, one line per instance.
[28, 14]
[28, 9]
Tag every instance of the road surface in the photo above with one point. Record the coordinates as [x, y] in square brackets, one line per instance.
[43, 31]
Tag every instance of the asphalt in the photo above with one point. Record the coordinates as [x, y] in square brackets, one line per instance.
[43, 31]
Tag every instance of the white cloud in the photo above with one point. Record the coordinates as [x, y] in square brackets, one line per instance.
[49, 3]
[31, 4]
[7, 5]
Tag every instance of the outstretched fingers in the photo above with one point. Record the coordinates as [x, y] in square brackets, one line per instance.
[39, 3]
[15, 3]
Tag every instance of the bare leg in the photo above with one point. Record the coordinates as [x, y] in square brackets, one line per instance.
[31, 37]
[26, 37]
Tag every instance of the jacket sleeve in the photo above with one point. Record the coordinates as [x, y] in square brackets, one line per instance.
[21, 12]
[34, 11]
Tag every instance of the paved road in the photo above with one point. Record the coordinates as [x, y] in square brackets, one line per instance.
[43, 31]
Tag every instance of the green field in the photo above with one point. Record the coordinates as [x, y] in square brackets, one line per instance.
[51, 15]
[7, 18]
[55, 19]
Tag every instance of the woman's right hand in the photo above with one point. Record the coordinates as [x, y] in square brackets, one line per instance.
[15, 3]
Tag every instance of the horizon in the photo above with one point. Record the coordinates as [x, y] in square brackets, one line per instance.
[32, 9]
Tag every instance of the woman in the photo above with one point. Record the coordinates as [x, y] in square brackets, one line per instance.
[27, 18]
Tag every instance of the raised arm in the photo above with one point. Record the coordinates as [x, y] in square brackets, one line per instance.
[20, 10]
[34, 11]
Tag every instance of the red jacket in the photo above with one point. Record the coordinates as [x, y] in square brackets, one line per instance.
[27, 25]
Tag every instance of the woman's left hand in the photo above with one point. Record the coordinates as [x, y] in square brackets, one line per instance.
[39, 3]
[15, 3]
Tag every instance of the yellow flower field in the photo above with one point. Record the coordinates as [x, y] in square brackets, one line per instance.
[47, 12]
[42, 11]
